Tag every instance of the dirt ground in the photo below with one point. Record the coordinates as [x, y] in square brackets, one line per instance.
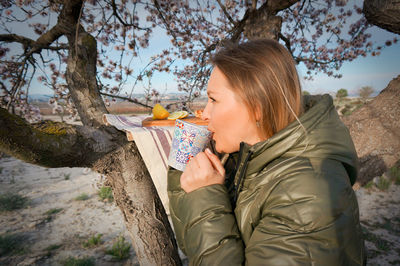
[55, 224]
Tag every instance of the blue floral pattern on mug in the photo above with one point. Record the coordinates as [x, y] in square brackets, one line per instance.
[182, 157]
[187, 137]
[184, 146]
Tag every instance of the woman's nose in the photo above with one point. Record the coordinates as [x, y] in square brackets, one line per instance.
[206, 113]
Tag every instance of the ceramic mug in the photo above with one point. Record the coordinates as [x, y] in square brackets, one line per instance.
[189, 139]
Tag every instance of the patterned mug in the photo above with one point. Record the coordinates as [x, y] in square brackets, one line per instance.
[189, 139]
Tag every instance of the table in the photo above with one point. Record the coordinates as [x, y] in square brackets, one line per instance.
[153, 144]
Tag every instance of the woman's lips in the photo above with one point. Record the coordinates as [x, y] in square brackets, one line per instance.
[212, 135]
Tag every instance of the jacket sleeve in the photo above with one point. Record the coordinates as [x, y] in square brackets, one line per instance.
[204, 223]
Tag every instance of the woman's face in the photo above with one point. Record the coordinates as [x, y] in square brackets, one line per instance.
[227, 115]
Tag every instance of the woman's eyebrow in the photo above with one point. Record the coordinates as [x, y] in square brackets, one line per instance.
[210, 91]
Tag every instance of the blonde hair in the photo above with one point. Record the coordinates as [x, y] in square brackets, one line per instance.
[263, 74]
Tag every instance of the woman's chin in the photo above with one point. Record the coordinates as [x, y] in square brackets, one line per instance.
[226, 149]
[218, 148]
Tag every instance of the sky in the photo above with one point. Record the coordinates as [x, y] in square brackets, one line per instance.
[375, 71]
[372, 71]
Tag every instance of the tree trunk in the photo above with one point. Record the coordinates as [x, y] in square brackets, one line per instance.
[263, 22]
[81, 78]
[143, 211]
[383, 13]
[134, 192]
[263, 26]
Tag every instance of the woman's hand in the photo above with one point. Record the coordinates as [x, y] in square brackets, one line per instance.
[203, 170]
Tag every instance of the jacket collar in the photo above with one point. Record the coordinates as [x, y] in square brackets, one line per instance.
[290, 141]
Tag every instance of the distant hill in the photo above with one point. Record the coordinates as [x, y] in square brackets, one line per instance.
[173, 96]
[39, 97]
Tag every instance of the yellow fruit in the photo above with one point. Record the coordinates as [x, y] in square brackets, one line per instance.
[184, 114]
[198, 113]
[177, 115]
[159, 112]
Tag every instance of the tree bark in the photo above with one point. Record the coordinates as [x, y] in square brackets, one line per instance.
[383, 13]
[263, 22]
[145, 217]
[52, 144]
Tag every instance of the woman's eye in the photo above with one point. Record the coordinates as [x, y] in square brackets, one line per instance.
[212, 99]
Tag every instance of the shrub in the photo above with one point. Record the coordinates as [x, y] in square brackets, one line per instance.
[82, 197]
[366, 91]
[342, 93]
[105, 193]
[71, 261]
[383, 183]
[10, 201]
[11, 244]
[53, 211]
[93, 241]
[120, 249]
[380, 243]
[50, 213]
[395, 174]
[53, 247]
[353, 109]
[369, 184]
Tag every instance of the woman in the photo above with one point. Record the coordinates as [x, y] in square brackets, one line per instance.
[288, 198]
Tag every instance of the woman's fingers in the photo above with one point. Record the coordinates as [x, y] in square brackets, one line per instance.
[215, 162]
[201, 172]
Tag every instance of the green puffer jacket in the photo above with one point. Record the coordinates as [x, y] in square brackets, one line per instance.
[290, 203]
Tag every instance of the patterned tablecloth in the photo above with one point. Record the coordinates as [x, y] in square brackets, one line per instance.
[154, 145]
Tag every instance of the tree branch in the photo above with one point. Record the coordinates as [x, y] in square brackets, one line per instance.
[47, 38]
[286, 40]
[270, 7]
[115, 13]
[278, 5]
[43, 42]
[383, 13]
[54, 144]
[239, 27]
[126, 99]
[226, 12]
[299, 59]
[157, 5]
[16, 38]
